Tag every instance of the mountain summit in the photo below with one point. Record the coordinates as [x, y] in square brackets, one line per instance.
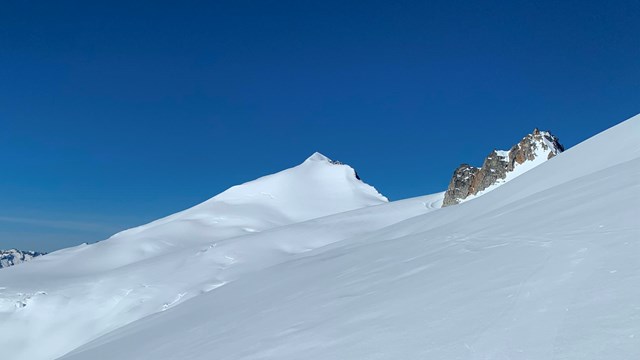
[317, 187]
[501, 166]
[316, 156]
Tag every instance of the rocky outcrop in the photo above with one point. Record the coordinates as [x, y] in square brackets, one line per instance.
[501, 166]
[13, 257]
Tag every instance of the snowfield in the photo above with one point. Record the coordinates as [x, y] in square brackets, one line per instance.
[543, 267]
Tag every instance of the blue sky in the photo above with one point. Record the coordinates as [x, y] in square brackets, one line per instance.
[114, 113]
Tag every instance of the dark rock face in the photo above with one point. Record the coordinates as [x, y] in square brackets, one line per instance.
[469, 180]
[461, 184]
[13, 257]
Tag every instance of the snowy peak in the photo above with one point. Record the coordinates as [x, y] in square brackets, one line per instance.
[501, 166]
[14, 257]
[315, 188]
[316, 156]
[329, 185]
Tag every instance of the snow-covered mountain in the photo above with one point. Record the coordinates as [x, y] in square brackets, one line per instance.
[500, 166]
[542, 267]
[100, 287]
[14, 256]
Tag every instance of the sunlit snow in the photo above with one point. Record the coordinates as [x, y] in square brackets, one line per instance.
[311, 263]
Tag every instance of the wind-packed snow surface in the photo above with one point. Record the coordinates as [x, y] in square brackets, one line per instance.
[543, 267]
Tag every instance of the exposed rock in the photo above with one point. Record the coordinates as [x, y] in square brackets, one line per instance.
[13, 257]
[461, 184]
[499, 166]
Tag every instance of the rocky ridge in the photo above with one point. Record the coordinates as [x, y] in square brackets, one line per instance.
[500, 166]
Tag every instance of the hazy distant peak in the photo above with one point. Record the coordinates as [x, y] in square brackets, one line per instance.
[14, 257]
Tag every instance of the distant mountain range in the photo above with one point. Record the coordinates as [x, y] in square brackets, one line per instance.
[14, 256]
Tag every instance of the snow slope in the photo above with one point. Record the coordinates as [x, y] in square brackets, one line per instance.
[543, 267]
[72, 296]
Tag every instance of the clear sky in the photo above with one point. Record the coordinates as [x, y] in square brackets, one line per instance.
[114, 113]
